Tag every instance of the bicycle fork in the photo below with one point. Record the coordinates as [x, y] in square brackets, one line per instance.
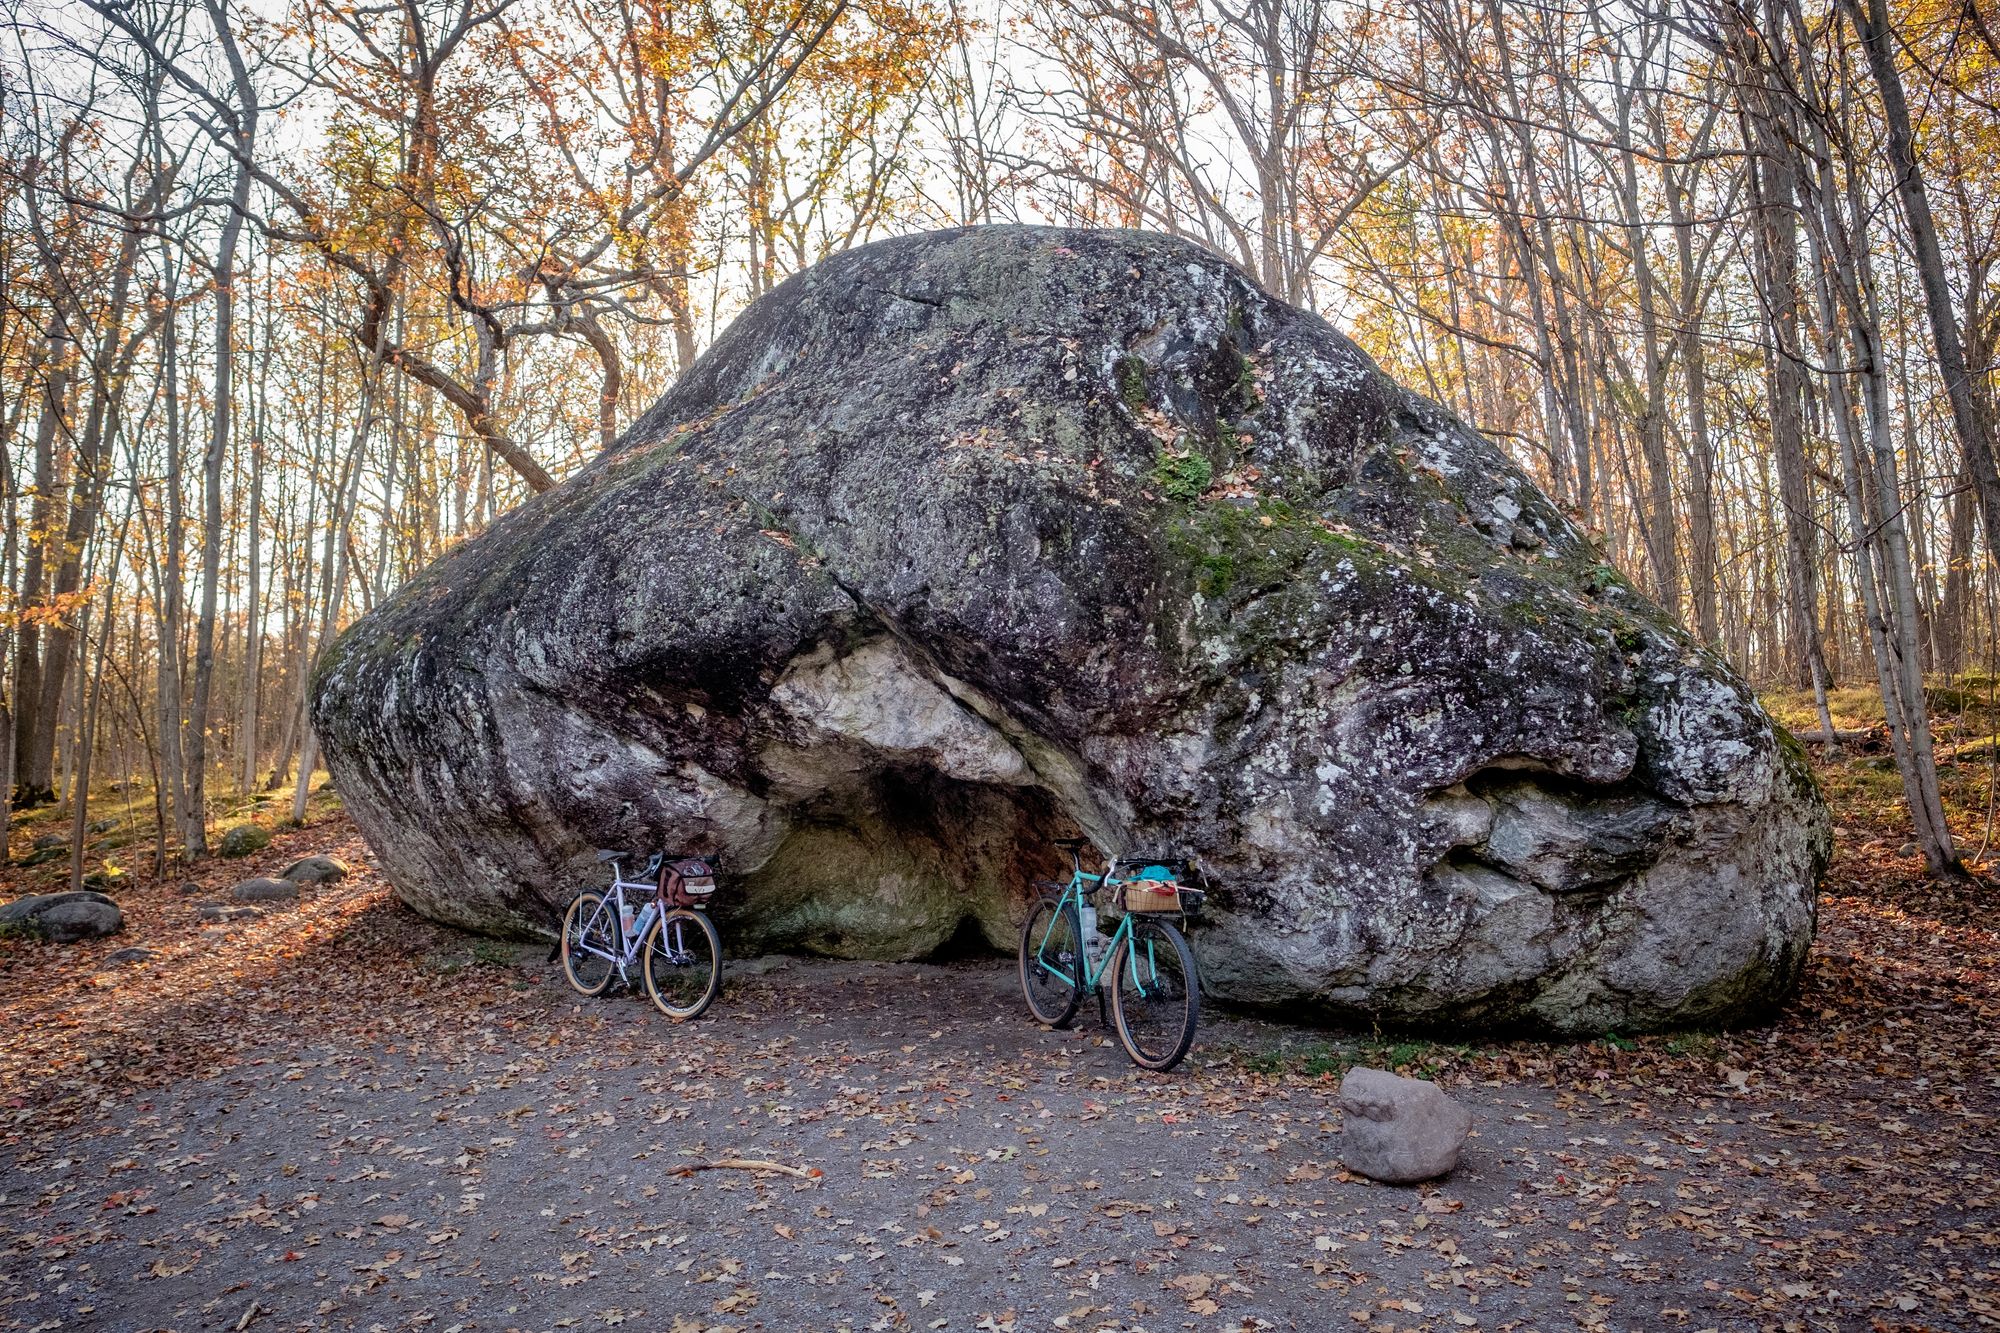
[635, 940]
[1130, 945]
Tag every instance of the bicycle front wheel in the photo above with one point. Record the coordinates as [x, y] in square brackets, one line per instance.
[682, 964]
[1155, 994]
[589, 943]
[1052, 962]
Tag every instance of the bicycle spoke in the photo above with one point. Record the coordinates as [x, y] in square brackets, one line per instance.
[683, 964]
[1157, 998]
[590, 949]
[1052, 963]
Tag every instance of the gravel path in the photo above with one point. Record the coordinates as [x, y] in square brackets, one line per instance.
[515, 1159]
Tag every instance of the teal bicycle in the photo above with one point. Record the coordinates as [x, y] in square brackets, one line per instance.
[1155, 991]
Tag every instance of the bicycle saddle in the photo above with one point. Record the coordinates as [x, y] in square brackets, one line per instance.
[652, 860]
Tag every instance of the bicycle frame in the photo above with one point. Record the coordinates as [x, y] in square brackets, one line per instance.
[1122, 937]
[613, 902]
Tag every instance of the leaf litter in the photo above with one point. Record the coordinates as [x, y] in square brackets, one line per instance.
[337, 1115]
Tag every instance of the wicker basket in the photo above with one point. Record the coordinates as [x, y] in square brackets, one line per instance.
[1152, 895]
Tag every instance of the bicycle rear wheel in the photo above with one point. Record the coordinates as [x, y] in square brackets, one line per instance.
[1155, 994]
[1052, 962]
[589, 943]
[682, 964]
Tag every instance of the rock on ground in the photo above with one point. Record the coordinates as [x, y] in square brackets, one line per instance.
[315, 870]
[223, 912]
[64, 917]
[265, 891]
[1399, 1130]
[959, 541]
[243, 840]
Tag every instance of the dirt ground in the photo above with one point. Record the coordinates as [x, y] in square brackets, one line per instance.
[340, 1116]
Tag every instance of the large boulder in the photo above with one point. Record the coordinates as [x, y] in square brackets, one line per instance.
[962, 540]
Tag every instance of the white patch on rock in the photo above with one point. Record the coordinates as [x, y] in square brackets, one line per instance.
[878, 697]
[1462, 818]
[1707, 743]
[1438, 453]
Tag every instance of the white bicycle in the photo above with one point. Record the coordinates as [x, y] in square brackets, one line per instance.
[661, 932]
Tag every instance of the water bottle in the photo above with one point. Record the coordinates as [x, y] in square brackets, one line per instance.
[645, 920]
[1093, 943]
[625, 920]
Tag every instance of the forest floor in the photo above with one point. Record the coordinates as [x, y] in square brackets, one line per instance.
[338, 1115]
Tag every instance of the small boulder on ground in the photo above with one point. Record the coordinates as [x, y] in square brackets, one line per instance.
[132, 955]
[223, 912]
[101, 826]
[264, 891]
[315, 870]
[44, 855]
[63, 917]
[1399, 1130]
[48, 840]
[243, 840]
[107, 879]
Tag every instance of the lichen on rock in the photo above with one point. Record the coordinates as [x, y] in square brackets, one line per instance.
[957, 541]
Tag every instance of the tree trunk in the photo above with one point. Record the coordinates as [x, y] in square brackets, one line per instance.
[1871, 24]
[1701, 490]
[85, 507]
[1773, 187]
[31, 787]
[173, 572]
[211, 517]
[86, 748]
[1955, 600]
[333, 564]
[253, 630]
[1881, 553]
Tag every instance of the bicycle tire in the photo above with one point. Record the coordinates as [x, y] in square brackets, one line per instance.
[685, 1003]
[1051, 1000]
[1176, 999]
[578, 918]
